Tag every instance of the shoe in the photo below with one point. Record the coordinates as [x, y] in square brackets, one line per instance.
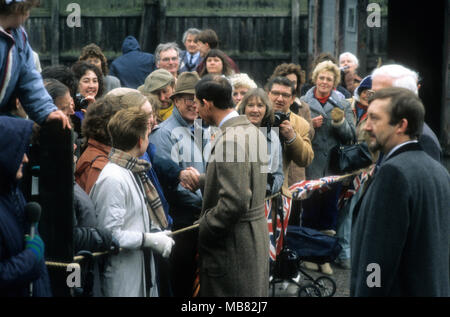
[310, 266]
[343, 263]
[326, 269]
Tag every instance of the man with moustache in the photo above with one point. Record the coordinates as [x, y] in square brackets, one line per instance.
[400, 236]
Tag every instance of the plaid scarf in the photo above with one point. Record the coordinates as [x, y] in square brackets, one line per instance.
[139, 169]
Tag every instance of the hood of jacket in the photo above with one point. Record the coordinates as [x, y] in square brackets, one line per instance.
[130, 44]
[14, 142]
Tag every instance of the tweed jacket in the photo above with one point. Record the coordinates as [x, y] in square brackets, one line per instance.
[233, 234]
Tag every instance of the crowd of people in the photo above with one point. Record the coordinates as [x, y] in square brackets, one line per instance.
[158, 148]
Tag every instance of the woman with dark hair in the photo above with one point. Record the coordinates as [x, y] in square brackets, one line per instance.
[259, 111]
[93, 54]
[98, 146]
[217, 64]
[60, 94]
[90, 87]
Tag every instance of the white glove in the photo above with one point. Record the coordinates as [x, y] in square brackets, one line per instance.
[159, 242]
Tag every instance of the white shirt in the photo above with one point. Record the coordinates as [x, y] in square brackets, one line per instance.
[232, 114]
[397, 147]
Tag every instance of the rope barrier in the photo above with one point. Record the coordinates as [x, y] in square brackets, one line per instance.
[79, 258]
[97, 254]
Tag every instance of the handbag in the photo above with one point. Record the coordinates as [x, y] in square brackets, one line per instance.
[349, 158]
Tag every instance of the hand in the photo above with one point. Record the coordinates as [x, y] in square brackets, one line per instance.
[159, 242]
[189, 179]
[90, 99]
[286, 130]
[36, 245]
[337, 115]
[317, 121]
[59, 115]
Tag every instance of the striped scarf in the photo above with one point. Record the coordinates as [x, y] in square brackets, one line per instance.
[139, 168]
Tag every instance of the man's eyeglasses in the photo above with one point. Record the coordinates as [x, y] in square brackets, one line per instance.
[282, 94]
[188, 101]
[167, 59]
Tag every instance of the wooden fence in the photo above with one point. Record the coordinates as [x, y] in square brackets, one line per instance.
[257, 34]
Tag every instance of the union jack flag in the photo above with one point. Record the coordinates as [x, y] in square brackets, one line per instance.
[275, 225]
[304, 189]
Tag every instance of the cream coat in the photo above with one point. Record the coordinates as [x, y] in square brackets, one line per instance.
[120, 208]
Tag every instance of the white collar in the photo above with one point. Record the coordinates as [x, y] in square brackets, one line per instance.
[397, 147]
[232, 114]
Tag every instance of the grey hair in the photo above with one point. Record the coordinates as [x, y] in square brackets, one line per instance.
[192, 31]
[352, 57]
[402, 76]
[164, 47]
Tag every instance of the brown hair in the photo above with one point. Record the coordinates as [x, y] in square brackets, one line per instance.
[261, 94]
[17, 7]
[226, 69]
[93, 50]
[286, 69]
[96, 119]
[208, 36]
[126, 127]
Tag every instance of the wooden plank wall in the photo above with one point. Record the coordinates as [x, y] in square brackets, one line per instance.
[257, 34]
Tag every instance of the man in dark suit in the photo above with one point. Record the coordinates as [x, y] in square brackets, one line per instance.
[190, 58]
[401, 225]
[233, 236]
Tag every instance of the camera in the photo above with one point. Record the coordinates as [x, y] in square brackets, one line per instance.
[279, 117]
[80, 102]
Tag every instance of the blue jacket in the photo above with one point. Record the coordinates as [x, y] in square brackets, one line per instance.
[21, 78]
[176, 143]
[133, 66]
[18, 266]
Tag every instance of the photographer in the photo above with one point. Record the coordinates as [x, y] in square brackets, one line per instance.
[293, 130]
[90, 88]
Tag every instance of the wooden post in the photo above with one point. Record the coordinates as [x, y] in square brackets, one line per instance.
[337, 33]
[149, 25]
[362, 36]
[162, 21]
[55, 32]
[316, 27]
[295, 30]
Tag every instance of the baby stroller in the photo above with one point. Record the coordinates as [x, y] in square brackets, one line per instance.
[304, 244]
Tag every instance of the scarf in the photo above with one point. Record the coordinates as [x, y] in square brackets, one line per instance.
[322, 100]
[139, 169]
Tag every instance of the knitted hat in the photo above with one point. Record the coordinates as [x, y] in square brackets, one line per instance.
[186, 83]
[158, 79]
[365, 84]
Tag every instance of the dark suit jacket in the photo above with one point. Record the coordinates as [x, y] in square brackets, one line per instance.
[403, 225]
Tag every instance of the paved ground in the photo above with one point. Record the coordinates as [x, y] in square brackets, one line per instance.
[340, 276]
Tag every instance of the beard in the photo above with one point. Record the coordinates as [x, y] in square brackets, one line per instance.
[373, 144]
